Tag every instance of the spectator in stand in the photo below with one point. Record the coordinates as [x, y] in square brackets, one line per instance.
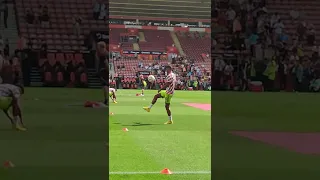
[5, 14]
[278, 29]
[311, 34]
[231, 15]
[294, 14]
[315, 84]
[219, 66]
[274, 19]
[37, 16]
[43, 50]
[58, 68]
[77, 20]
[297, 71]
[80, 69]
[6, 50]
[215, 13]
[96, 10]
[301, 30]
[30, 16]
[237, 28]
[228, 73]
[270, 75]
[1, 44]
[103, 12]
[22, 43]
[44, 17]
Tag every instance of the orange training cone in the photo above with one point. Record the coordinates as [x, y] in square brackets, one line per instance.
[8, 164]
[166, 171]
[125, 129]
[137, 94]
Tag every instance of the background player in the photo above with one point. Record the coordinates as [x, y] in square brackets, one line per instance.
[10, 97]
[166, 92]
[112, 95]
[142, 84]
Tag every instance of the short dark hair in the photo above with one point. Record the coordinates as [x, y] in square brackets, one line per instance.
[169, 67]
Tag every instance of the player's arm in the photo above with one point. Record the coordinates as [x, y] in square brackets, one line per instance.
[165, 86]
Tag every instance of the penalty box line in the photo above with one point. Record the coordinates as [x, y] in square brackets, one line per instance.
[178, 172]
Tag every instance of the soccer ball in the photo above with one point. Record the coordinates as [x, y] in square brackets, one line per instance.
[151, 78]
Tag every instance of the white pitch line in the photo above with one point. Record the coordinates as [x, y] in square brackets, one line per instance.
[178, 172]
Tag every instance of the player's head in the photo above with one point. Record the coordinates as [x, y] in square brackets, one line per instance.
[168, 69]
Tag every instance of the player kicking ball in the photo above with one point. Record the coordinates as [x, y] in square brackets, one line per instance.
[166, 92]
[112, 95]
[142, 84]
[10, 97]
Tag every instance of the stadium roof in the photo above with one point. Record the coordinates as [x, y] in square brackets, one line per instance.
[200, 9]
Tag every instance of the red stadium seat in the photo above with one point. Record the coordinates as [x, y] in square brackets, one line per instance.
[47, 77]
[72, 77]
[60, 77]
[83, 78]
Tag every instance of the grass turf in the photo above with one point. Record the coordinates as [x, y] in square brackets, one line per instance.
[68, 142]
[150, 146]
[239, 158]
[62, 142]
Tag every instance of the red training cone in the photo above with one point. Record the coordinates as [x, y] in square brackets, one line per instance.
[166, 171]
[125, 129]
[8, 164]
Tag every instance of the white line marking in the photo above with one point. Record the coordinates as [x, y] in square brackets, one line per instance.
[178, 172]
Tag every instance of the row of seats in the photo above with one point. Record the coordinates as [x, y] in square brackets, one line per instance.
[63, 58]
[50, 78]
[61, 15]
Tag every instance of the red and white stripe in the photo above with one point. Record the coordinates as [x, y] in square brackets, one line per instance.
[171, 78]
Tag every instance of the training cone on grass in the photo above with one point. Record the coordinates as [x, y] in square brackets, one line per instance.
[125, 129]
[8, 164]
[166, 171]
[137, 94]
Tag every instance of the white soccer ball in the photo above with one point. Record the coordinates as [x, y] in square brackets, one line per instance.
[151, 78]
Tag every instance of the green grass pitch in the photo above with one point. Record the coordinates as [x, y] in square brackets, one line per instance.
[68, 142]
[62, 142]
[236, 158]
[150, 146]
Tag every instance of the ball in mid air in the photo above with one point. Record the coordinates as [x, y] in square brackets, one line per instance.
[151, 78]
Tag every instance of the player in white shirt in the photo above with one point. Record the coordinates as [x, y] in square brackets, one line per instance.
[10, 97]
[166, 92]
[112, 95]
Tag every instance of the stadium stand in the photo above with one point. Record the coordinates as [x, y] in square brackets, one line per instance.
[59, 34]
[146, 8]
[266, 45]
[176, 40]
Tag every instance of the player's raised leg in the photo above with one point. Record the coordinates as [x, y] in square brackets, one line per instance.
[154, 100]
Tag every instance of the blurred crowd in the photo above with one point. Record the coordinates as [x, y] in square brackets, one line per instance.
[265, 51]
[189, 75]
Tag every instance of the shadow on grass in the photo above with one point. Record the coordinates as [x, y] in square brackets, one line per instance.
[141, 124]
